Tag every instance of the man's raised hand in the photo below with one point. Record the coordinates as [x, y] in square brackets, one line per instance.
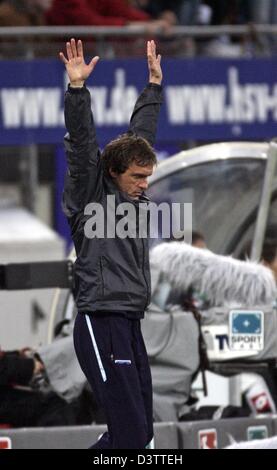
[78, 71]
[154, 64]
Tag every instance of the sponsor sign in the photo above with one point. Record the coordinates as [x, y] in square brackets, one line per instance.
[246, 330]
[207, 439]
[259, 398]
[217, 341]
[257, 433]
[5, 443]
[204, 99]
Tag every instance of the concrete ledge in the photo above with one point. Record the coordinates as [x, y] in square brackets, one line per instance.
[79, 437]
[193, 435]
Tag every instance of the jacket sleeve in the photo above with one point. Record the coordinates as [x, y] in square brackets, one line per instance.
[144, 119]
[15, 370]
[82, 153]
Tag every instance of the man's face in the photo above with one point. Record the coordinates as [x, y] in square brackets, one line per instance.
[134, 181]
[199, 243]
[272, 266]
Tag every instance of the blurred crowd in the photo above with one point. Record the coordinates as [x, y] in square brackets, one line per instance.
[157, 17]
[155, 13]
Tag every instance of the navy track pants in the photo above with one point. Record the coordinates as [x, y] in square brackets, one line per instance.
[112, 355]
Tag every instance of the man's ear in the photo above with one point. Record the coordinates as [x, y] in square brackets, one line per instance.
[265, 263]
[112, 173]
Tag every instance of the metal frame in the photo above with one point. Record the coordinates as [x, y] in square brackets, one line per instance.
[115, 31]
[265, 202]
[100, 34]
[230, 150]
[208, 154]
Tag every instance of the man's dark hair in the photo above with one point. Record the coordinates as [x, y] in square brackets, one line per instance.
[128, 148]
[269, 251]
[197, 236]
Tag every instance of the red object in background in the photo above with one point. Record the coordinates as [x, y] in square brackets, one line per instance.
[261, 403]
[207, 439]
[94, 12]
[259, 398]
[5, 443]
[5, 426]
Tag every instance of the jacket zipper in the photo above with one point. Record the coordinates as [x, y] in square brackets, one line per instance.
[102, 277]
[143, 270]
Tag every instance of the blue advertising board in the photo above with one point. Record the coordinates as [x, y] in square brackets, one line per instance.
[205, 99]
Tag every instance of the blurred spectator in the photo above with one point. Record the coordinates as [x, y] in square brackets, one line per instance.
[224, 11]
[198, 240]
[23, 12]
[243, 11]
[189, 12]
[204, 14]
[261, 11]
[94, 12]
[160, 9]
[179, 12]
[100, 13]
[26, 398]
[268, 256]
[184, 12]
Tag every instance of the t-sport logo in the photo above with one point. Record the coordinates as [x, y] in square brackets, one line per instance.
[246, 330]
